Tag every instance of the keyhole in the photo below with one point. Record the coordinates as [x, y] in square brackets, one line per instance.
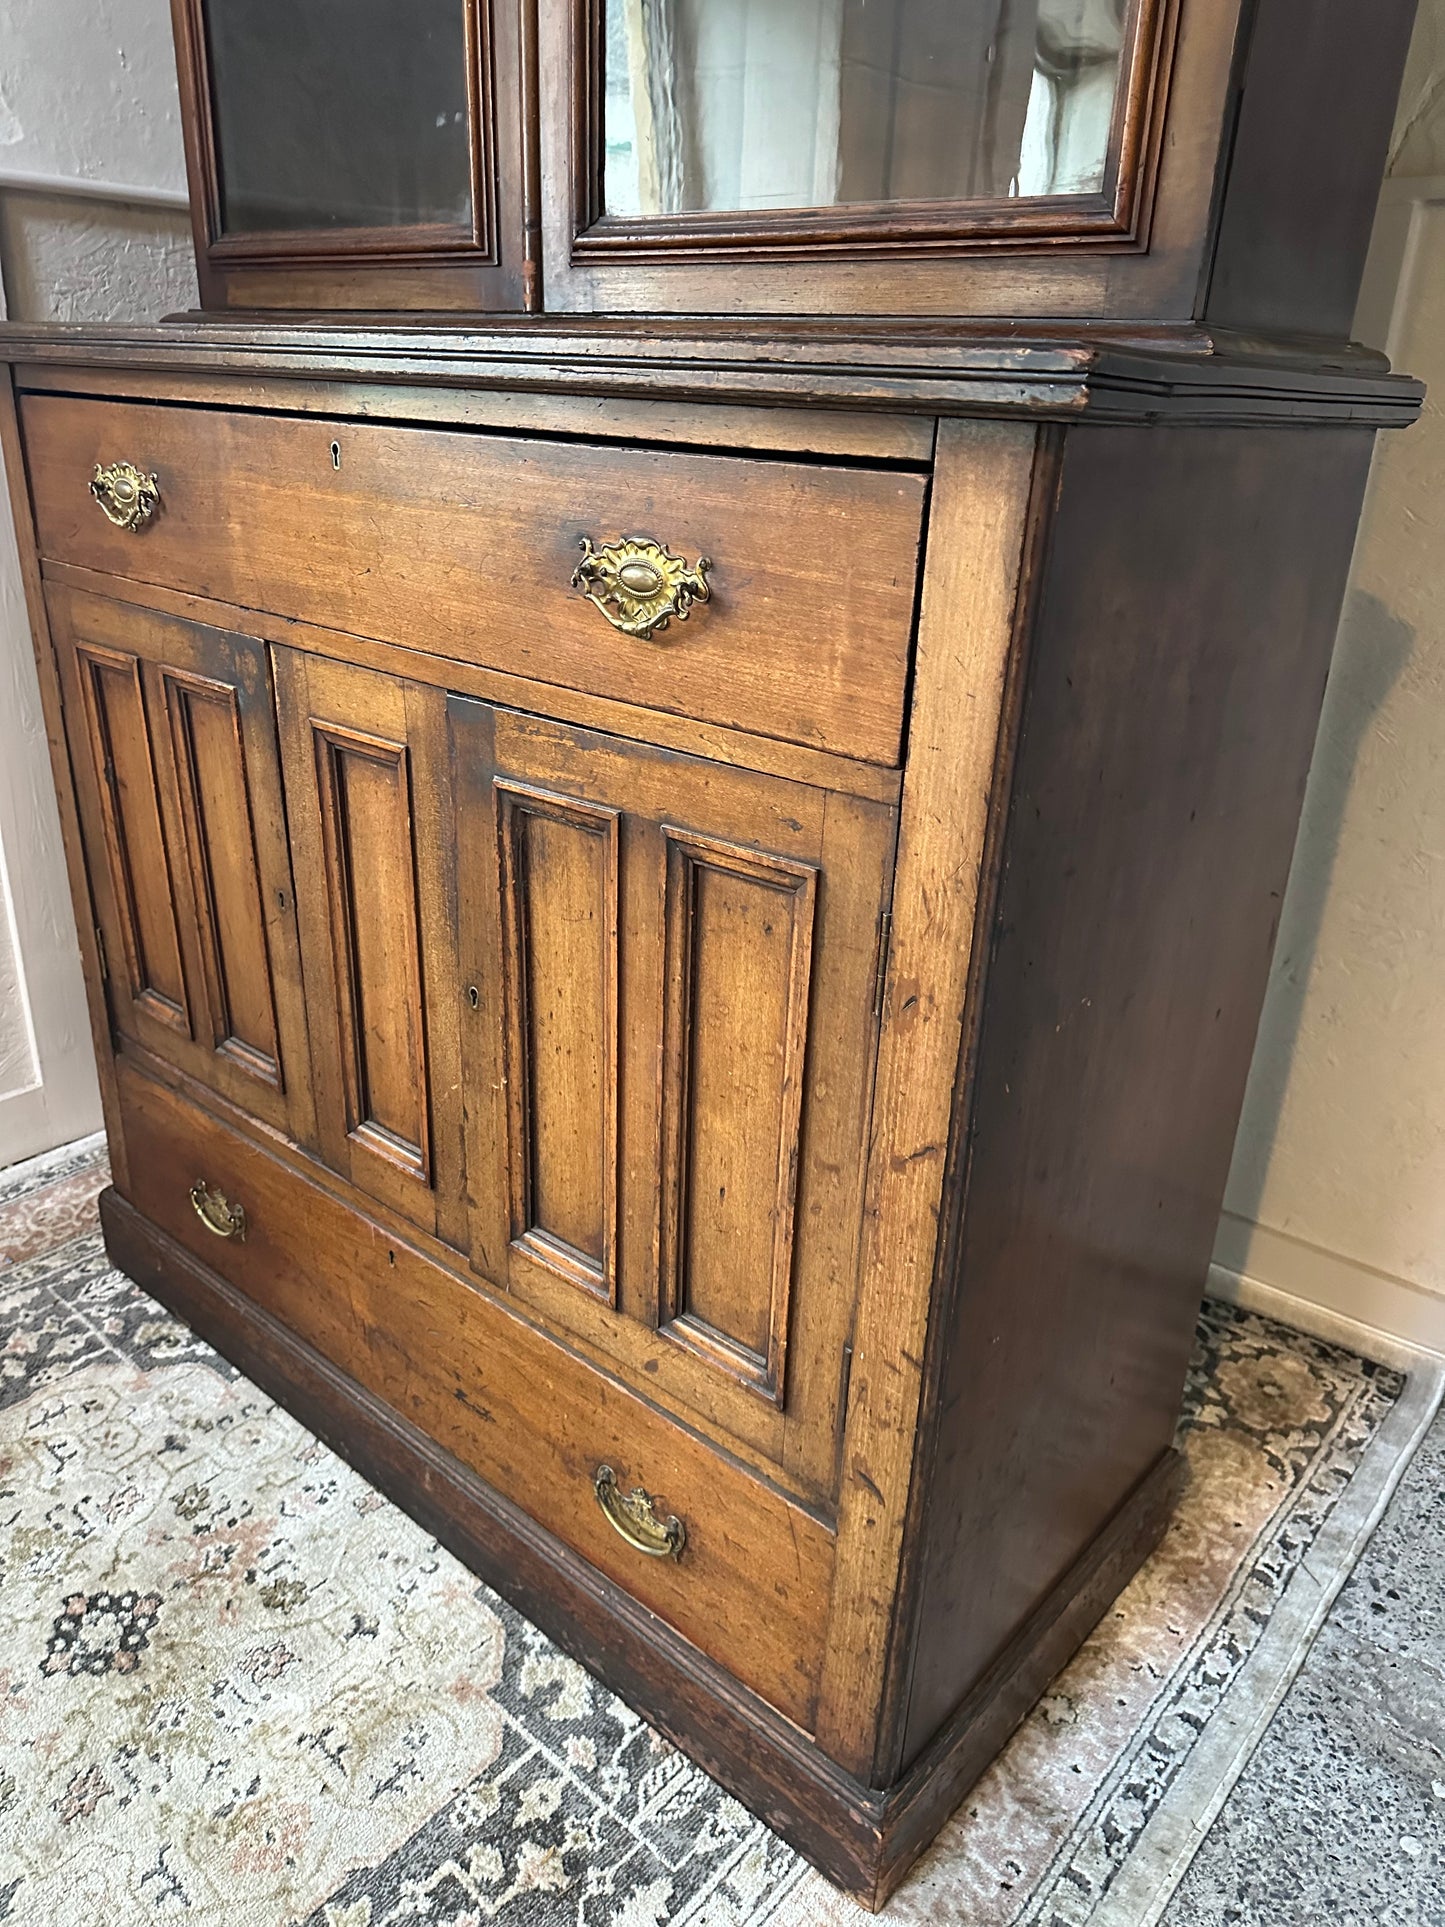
[336, 454]
[474, 996]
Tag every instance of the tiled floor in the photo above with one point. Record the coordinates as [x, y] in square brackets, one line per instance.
[1339, 1818]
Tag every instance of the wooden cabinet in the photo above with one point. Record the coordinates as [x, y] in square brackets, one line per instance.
[677, 829]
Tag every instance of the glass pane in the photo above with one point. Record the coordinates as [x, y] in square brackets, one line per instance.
[340, 113]
[743, 104]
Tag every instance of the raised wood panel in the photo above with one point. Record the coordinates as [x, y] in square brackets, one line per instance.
[371, 888]
[739, 1056]
[173, 741]
[559, 864]
[122, 768]
[216, 813]
[738, 969]
[368, 800]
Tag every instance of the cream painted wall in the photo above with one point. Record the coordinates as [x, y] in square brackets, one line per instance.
[87, 96]
[88, 90]
[1336, 1200]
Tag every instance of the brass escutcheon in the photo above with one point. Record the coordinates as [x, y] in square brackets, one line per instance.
[216, 1212]
[634, 1517]
[128, 496]
[639, 585]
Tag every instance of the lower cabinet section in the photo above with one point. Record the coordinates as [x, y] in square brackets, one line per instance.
[729, 1561]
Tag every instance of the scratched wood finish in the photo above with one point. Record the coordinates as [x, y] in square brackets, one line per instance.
[532, 986]
[978, 535]
[805, 638]
[697, 424]
[367, 788]
[819, 769]
[1131, 954]
[752, 1585]
[174, 750]
[652, 946]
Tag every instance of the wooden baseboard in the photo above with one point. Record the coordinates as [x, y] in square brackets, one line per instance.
[863, 1839]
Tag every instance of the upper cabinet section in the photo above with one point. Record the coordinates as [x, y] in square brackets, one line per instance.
[780, 122]
[298, 106]
[355, 154]
[1122, 161]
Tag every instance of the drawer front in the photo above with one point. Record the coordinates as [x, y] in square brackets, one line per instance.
[465, 545]
[751, 1586]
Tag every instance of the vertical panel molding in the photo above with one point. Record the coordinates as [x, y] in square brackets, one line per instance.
[225, 879]
[732, 1095]
[559, 891]
[376, 944]
[125, 771]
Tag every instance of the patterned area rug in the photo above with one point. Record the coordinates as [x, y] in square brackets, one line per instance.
[237, 1686]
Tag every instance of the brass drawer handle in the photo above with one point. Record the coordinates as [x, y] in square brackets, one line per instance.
[639, 585]
[216, 1212]
[128, 496]
[633, 1515]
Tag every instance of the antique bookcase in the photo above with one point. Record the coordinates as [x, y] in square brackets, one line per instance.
[680, 714]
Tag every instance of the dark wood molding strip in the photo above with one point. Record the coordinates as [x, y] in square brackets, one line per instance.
[1182, 377]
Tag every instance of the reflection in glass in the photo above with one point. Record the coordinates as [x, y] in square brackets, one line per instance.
[745, 104]
[340, 113]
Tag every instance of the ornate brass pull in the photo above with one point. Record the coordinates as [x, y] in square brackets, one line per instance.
[633, 1516]
[129, 497]
[639, 585]
[216, 1212]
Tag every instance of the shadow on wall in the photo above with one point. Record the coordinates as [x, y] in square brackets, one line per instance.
[1371, 652]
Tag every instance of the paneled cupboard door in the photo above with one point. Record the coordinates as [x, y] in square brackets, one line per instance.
[668, 1040]
[172, 739]
[368, 791]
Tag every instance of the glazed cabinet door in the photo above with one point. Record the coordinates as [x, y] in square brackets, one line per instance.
[669, 1029]
[368, 791]
[355, 153]
[172, 741]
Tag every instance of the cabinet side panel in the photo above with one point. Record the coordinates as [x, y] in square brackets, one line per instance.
[1320, 87]
[1180, 656]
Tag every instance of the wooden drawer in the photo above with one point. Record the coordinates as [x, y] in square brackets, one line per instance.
[751, 1587]
[464, 544]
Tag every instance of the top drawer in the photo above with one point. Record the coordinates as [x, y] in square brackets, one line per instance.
[464, 545]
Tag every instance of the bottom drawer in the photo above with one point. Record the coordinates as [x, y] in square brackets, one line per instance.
[750, 1587]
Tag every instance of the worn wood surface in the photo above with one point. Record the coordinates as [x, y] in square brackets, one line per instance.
[818, 769]
[692, 424]
[173, 745]
[668, 1064]
[863, 1840]
[1170, 715]
[369, 803]
[978, 530]
[1096, 369]
[531, 1418]
[469, 542]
